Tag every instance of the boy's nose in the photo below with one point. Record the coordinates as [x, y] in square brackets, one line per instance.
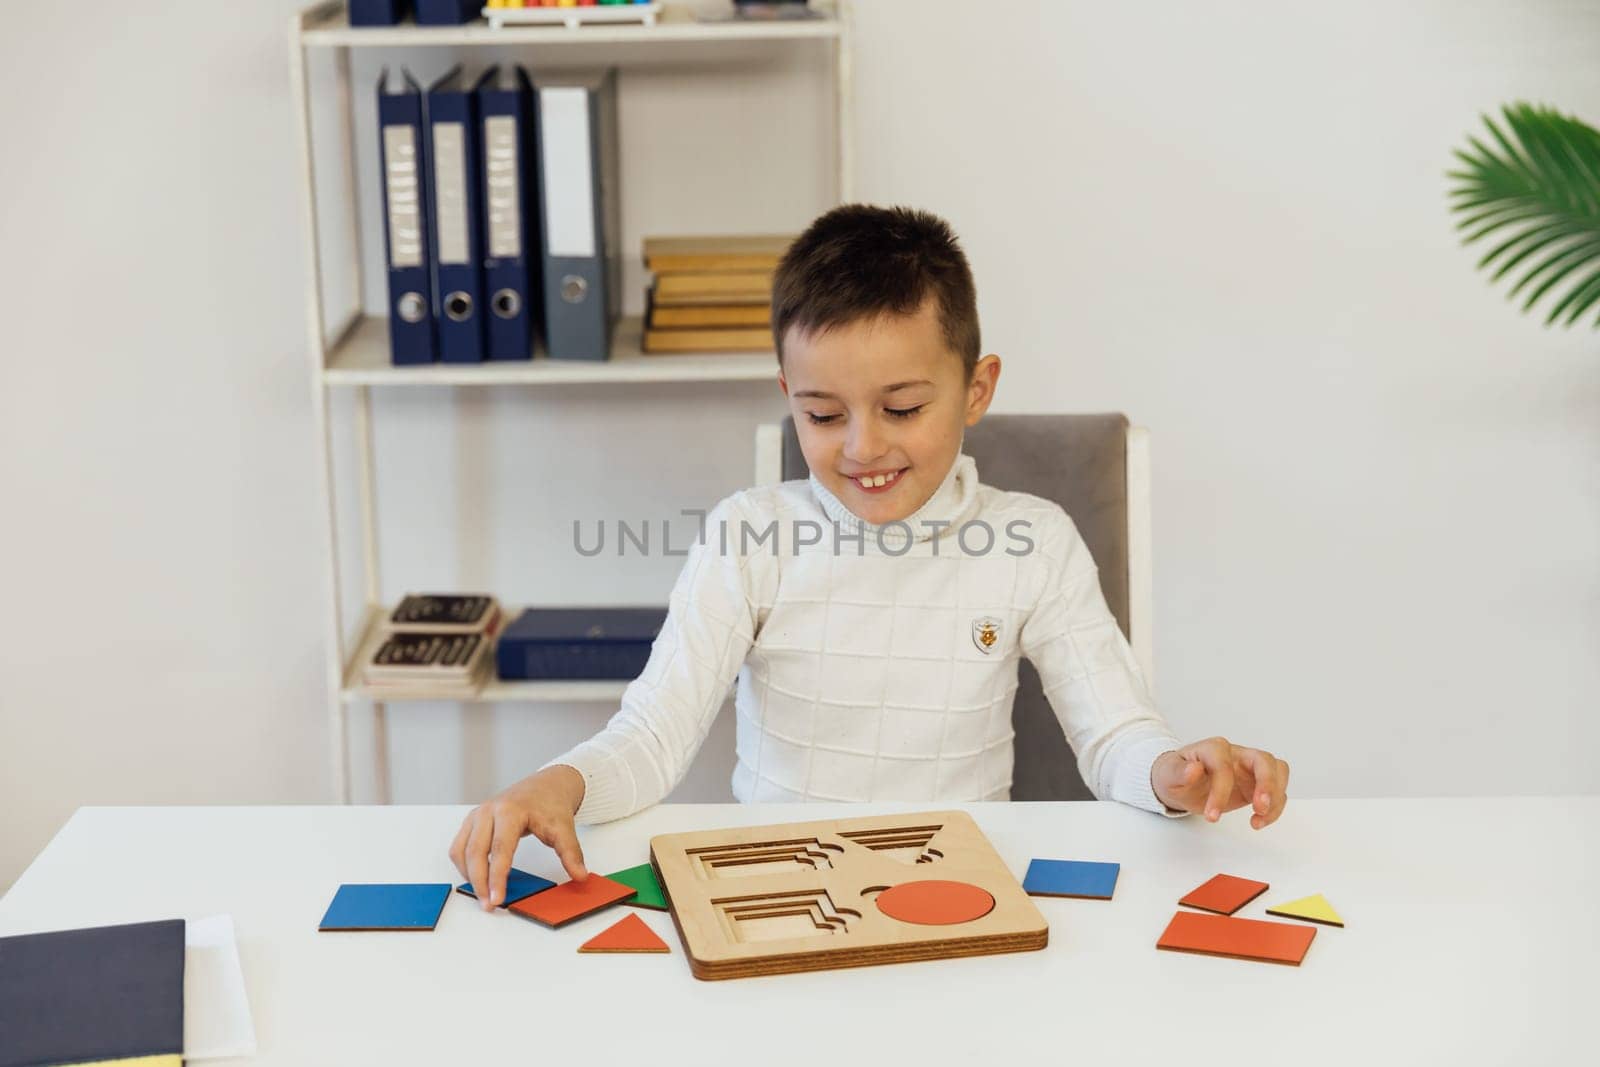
[864, 444]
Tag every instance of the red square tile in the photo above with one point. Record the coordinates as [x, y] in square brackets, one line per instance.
[572, 900]
[1224, 894]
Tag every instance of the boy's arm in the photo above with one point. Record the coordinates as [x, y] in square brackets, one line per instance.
[646, 748]
[1089, 675]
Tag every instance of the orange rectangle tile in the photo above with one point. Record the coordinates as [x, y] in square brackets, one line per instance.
[1224, 894]
[1245, 939]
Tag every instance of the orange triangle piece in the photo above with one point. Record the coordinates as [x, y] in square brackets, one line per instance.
[632, 934]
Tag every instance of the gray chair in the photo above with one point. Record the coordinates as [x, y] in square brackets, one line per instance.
[1097, 468]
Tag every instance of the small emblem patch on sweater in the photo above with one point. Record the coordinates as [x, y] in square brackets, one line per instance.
[986, 633]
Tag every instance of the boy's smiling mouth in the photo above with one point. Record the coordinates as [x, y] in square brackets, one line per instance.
[876, 481]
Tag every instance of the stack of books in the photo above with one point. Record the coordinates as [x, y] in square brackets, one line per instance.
[711, 294]
[441, 645]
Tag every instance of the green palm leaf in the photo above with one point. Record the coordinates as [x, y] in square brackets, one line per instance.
[1534, 188]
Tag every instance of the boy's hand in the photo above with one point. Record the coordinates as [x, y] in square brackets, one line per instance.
[542, 805]
[1214, 776]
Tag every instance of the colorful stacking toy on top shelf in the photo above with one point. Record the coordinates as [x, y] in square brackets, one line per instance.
[501, 12]
[570, 13]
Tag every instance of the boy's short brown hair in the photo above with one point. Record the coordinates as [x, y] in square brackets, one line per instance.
[859, 261]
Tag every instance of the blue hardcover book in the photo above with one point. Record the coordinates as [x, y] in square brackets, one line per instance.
[578, 213]
[447, 12]
[378, 12]
[509, 200]
[453, 193]
[99, 995]
[567, 643]
[402, 149]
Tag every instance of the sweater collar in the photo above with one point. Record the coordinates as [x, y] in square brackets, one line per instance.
[949, 503]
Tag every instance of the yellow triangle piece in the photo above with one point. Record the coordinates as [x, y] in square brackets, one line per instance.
[1314, 908]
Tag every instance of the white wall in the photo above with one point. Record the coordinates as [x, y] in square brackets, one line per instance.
[1377, 510]
[1377, 513]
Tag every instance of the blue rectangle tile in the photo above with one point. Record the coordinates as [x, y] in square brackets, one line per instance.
[1071, 878]
[519, 886]
[401, 906]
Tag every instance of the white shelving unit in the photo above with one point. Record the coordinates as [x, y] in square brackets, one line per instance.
[349, 349]
[361, 357]
[370, 636]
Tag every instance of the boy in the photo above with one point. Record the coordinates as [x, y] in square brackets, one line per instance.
[874, 613]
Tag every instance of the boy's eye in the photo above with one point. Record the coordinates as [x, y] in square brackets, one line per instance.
[820, 420]
[904, 413]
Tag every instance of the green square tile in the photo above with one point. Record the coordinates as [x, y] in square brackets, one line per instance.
[642, 878]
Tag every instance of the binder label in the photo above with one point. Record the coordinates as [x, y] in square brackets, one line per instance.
[505, 205]
[568, 179]
[405, 218]
[450, 191]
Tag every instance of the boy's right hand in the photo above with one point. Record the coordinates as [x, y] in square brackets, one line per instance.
[543, 805]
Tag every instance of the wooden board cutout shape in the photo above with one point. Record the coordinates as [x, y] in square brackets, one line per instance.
[1242, 939]
[802, 896]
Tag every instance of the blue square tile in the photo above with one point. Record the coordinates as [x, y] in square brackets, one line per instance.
[386, 907]
[1071, 878]
[519, 886]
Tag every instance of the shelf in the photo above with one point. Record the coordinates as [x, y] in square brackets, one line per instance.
[361, 357]
[321, 43]
[494, 690]
[675, 25]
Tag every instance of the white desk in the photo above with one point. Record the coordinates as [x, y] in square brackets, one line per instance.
[1471, 938]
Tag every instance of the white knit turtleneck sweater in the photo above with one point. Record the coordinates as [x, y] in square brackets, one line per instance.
[862, 670]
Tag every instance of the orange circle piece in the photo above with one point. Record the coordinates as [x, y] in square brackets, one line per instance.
[935, 903]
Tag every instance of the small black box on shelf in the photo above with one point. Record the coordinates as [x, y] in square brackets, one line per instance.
[578, 643]
[447, 12]
[378, 12]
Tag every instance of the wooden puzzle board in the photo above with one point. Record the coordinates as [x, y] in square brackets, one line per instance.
[803, 896]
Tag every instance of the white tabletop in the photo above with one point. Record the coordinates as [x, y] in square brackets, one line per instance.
[1471, 935]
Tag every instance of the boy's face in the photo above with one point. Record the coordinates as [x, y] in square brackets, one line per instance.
[882, 400]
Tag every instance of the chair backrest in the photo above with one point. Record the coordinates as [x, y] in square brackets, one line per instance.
[1081, 463]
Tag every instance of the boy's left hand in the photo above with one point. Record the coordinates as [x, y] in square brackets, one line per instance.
[1215, 776]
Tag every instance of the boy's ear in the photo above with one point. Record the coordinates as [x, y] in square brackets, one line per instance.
[980, 390]
[783, 383]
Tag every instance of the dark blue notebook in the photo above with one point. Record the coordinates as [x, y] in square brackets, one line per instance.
[105, 993]
[578, 643]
